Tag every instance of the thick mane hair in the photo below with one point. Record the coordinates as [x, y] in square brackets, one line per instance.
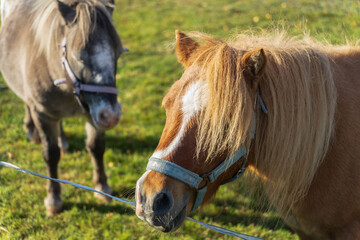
[48, 25]
[298, 89]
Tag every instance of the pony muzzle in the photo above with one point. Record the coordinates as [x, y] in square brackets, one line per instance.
[105, 115]
[107, 118]
[156, 205]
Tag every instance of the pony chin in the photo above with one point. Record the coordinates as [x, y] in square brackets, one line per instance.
[173, 220]
[163, 209]
[174, 224]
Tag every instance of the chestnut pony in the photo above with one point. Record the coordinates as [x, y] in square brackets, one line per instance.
[304, 147]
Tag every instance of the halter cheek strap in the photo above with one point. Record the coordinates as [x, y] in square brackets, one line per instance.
[192, 179]
[80, 87]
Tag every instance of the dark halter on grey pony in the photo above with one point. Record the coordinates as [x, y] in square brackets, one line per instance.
[192, 179]
[80, 87]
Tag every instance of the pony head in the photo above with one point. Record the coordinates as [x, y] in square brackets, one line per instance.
[92, 49]
[209, 116]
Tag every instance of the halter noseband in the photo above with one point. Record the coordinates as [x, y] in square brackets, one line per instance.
[192, 179]
[80, 87]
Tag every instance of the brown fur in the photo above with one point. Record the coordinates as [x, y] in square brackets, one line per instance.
[311, 78]
[305, 151]
[185, 50]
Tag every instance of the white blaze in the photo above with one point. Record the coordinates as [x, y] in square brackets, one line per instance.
[98, 78]
[104, 55]
[103, 59]
[192, 102]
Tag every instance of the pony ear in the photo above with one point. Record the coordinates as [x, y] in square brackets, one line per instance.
[110, 5]
[185, 46]
[67, 12]
[253, 63]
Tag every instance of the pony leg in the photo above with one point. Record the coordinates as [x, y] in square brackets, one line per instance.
[62, 142]
[49, 132]
[95, 145]
[32, 133]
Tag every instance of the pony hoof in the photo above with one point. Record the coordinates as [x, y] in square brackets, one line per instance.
[53, 211]
[53, 206]
[33, 136]
[105, 189]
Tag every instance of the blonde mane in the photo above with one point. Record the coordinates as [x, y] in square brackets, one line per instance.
[48, 24]
[299, 92]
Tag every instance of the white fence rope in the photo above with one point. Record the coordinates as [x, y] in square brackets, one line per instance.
[212, 227]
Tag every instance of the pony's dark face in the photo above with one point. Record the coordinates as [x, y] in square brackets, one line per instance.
[96, 65]
[94, 62]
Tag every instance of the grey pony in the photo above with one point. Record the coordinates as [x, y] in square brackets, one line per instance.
[30, 62]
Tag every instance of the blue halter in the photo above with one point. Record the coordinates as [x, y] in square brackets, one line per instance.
[192, 179]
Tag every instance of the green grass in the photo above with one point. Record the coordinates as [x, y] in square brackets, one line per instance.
[144, 75]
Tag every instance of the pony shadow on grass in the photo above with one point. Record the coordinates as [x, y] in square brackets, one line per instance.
[120, 208]
[269, 221]
[125, 144]
[101, 208]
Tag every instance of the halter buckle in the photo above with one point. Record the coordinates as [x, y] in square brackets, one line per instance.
[206, 179]
[77, 88]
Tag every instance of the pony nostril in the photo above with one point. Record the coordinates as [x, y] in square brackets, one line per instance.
[162, 203]
[107, 118]
[104, 116]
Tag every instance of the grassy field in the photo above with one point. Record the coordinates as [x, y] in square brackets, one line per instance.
[144, 75]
